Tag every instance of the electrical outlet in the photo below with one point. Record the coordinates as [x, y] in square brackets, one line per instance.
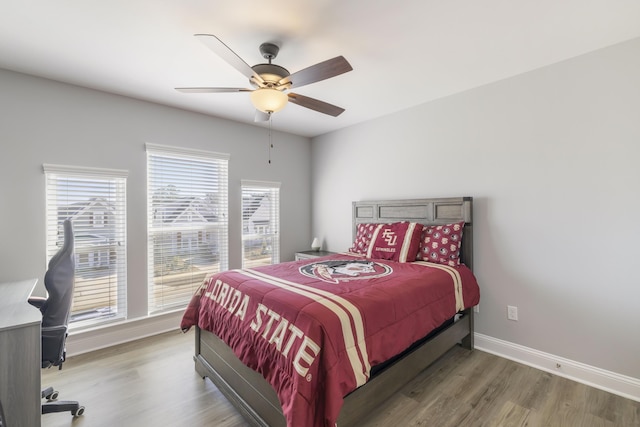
[512, 312]
[476, 308]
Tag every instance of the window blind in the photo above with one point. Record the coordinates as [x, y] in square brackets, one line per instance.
[260, 223]
[187, 209]
[95, 202]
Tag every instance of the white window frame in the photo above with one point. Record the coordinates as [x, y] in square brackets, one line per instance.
[181, 242]
[100, 252]
[269, 233]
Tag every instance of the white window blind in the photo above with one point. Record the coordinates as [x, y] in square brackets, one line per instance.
[95, 202]
[260, 223]
[187, 209]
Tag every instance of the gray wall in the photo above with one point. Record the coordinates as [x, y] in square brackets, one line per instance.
[42, 121]
[551, 159]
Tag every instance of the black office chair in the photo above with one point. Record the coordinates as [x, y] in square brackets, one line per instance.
[59, 281]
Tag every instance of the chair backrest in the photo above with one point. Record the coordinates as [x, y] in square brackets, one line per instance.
[59, 281]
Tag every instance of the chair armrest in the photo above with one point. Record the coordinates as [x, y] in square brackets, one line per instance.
[37, 302]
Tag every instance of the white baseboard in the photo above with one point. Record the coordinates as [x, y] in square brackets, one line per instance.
[87, 340]
[612, 382]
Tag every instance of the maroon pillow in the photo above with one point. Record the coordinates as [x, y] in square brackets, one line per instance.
[441, 243]
[363, 238]
[398, 241]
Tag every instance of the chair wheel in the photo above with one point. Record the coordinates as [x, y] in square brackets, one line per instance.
[52, 396]
[78, 412]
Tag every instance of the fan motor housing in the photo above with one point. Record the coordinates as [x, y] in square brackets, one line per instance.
[270, 73]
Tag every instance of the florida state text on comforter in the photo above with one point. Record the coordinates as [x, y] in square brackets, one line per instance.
[313, 328]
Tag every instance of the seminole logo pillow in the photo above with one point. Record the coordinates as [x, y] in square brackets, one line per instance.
[397, 241]
[345, 270]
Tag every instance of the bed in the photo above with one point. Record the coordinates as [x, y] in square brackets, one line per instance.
[359, 392]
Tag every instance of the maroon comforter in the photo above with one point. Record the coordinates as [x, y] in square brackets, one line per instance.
[313, 328]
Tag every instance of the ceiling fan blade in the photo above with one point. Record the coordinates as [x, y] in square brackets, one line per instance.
[320, 71]
[211, 89]
[225, 52]
[261, 116]
[314, 104]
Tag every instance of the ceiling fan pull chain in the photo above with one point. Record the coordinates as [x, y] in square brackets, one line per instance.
[270, 140]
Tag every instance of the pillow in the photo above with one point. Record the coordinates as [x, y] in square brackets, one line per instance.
[363, 238]
[398, 241]
[441, 243]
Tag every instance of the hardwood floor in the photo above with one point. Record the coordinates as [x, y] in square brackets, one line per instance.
[152, 382]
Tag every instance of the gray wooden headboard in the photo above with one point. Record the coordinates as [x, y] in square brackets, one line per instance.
[424, 211]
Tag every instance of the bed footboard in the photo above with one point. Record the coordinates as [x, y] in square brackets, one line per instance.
[246, 389]
[258, 403]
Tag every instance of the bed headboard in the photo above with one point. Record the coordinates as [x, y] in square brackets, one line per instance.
[424, 211]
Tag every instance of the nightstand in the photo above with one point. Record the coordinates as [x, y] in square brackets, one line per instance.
[312, 254]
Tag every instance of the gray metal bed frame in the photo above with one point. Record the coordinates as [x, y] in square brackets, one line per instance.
[254, 397]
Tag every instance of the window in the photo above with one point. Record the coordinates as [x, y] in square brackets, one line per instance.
[187, 208]
[260, 223]
[95, 202]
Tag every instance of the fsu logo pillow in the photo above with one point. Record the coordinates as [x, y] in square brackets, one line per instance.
[398, 241]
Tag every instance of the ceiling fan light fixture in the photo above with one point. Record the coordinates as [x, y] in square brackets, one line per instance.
[268, 100]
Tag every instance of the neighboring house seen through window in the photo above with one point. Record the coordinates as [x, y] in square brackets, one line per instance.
[260, 223]
[187, 224]
[95, 202]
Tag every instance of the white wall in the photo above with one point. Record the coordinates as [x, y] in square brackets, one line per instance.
[42, 121]
[551, 160]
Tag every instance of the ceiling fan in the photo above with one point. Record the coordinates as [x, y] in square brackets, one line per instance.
[271, 81]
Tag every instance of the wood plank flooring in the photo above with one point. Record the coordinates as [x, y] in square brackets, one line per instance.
[152, 382]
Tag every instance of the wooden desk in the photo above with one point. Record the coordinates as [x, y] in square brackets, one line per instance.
[20, 357]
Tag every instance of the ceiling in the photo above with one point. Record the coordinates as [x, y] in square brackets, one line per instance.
[403, 53]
